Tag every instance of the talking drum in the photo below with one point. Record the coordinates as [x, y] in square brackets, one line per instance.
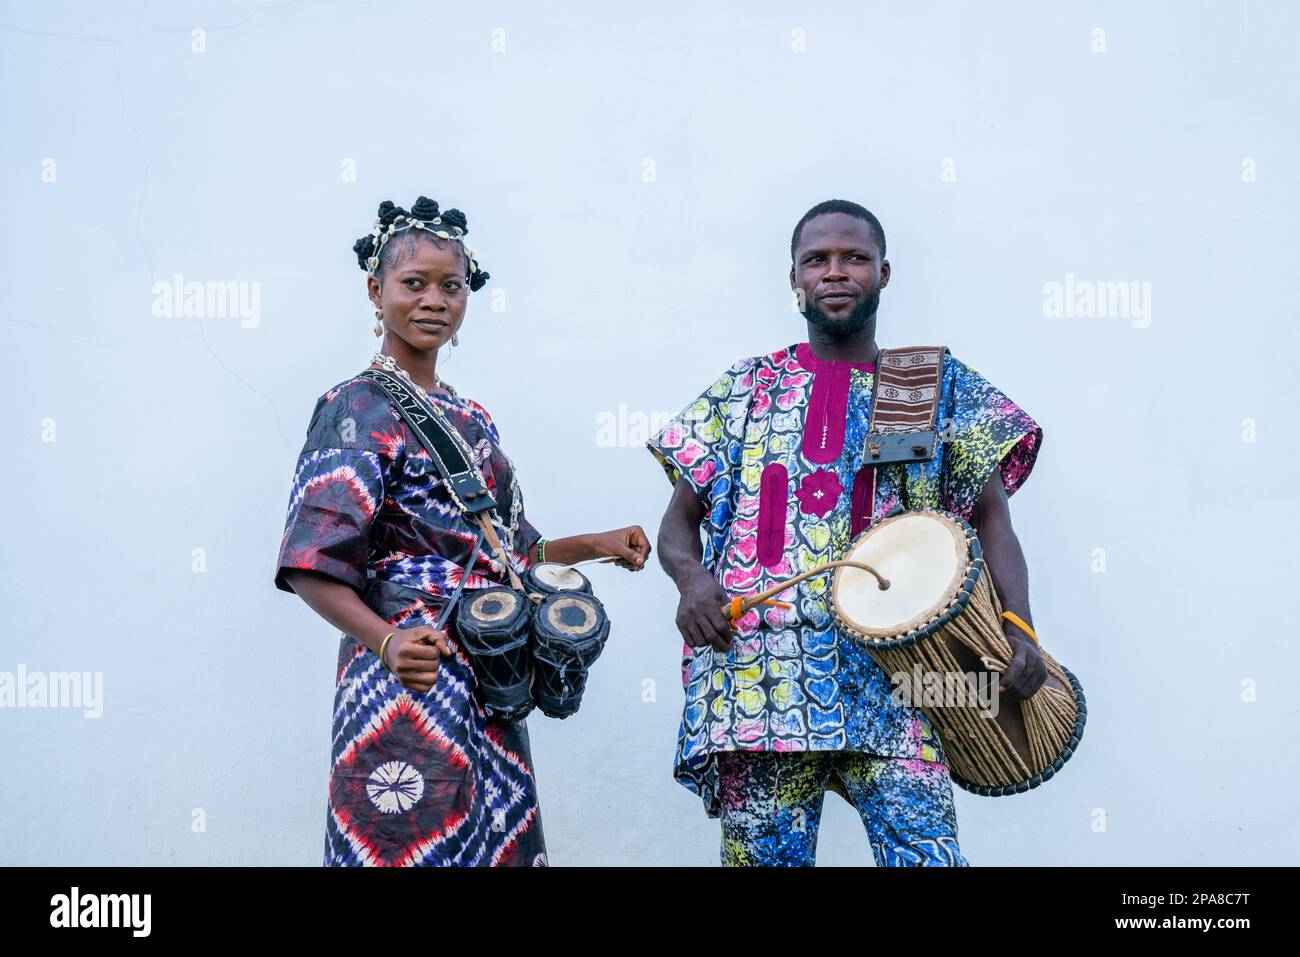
[547, 578]
[493, 627]
[569, 632]
[938, 615]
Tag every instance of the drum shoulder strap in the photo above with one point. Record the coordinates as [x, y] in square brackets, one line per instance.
[451, 454]
[904, 404]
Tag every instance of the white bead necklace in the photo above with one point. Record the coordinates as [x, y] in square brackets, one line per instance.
[389, 364]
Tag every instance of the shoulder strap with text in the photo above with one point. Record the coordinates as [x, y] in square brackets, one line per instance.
[451, 455]
[450, 452]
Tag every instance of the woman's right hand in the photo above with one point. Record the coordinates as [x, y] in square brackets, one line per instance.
[413, 654]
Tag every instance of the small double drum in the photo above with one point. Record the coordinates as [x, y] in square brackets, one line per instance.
[939, 616]
[534, 647]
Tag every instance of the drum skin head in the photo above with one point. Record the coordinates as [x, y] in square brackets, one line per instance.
[560, 577]
[493, 605]
[925, 557]
[573, 616]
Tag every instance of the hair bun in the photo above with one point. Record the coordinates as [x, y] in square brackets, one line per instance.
[388, 212]
[364, 248]
[454, 217]
[425, 209]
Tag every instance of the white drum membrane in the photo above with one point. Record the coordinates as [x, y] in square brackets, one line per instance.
[560, 577]
[921, 556]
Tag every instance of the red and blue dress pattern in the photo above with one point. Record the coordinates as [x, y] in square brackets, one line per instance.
[416, 778]
[774, 448]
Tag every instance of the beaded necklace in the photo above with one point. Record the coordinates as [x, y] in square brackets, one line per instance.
[389, 364]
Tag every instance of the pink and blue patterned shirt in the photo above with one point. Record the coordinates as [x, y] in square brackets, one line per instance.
[774, 450]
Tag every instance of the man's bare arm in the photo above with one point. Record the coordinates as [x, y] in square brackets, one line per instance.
[1005, 561]
[699, 613]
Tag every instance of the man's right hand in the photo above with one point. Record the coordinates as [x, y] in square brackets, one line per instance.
[699, 613]
[413, 655]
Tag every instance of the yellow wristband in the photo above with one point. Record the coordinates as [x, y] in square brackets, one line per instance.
[1019, 623]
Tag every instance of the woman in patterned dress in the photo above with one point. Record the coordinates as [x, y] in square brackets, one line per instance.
[374, 544]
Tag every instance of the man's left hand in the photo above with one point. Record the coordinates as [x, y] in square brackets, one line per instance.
[1027, 671]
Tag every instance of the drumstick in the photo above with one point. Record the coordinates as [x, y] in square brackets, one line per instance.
[738, 606]
[591, 561]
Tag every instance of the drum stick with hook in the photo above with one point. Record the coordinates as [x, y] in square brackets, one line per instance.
[738, 606]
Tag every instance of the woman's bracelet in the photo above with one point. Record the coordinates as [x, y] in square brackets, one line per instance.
[383, 646]
[541, 550]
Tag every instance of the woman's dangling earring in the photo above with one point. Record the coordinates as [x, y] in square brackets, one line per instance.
[455, 340]
[379, 322]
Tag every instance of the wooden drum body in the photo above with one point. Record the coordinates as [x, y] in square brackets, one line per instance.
[569, 633]
[940, 618]
[493, 625]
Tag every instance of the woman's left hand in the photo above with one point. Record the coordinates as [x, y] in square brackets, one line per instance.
[629, 547]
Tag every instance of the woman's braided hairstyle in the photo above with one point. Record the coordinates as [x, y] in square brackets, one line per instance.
[423, 215]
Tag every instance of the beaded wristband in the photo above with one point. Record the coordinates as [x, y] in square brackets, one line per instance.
[541, 550]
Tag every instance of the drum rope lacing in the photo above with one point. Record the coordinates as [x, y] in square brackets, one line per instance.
[979, 750]
[982, 755]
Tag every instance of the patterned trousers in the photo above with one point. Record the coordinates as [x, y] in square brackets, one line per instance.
[772, 807]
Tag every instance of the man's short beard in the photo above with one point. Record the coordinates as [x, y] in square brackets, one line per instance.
[851, 324]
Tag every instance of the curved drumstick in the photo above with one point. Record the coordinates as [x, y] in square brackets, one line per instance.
[738, 606]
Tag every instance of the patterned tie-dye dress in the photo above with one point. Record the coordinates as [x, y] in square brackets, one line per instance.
[416, 778]
[774, 449]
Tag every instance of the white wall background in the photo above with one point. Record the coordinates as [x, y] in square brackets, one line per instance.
[228, 165]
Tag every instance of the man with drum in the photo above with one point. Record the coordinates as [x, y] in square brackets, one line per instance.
[771, 465]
